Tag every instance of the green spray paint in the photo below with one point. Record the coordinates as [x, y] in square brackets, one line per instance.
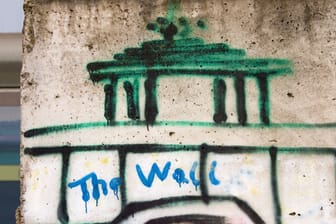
[191, 57]
[79, 126]
[171, 27]
[178, 55]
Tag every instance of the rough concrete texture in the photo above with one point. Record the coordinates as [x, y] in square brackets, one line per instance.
[257, 171]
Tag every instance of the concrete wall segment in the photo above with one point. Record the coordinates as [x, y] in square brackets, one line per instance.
[64, 110]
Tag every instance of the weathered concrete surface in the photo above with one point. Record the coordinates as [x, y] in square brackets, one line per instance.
[302, 32]
[62, 37]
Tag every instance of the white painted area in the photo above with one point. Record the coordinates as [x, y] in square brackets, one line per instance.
[137, 191]
[42, 186]
[106, 166]
[307, 188]
[246, 176]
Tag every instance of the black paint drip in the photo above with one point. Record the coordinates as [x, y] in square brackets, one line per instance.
[132, 102]
[240, 91]
[151, 107]
[219, 100]
[110, 102]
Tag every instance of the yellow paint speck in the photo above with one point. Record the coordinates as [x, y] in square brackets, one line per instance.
[248, 160]
[155, 156]
[34, 186]
[35, 173]
[254, 191]
[104, 160]
[45, 171]
[88, 165]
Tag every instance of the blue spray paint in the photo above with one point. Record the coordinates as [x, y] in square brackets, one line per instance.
[114, 185]
[192, 177]
[95, 187]
[179, 177]
[95, 192]
[85, 192]
[212, 176]
[155, 170]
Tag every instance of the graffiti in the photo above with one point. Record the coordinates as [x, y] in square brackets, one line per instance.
[163, 58]
[197, 219]
[204, 175]
[178, 175]
[212, 177]
[162, 176]
[70, 127]
[154, 170]
[183, 57]
[114, 185]
[192, 177]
